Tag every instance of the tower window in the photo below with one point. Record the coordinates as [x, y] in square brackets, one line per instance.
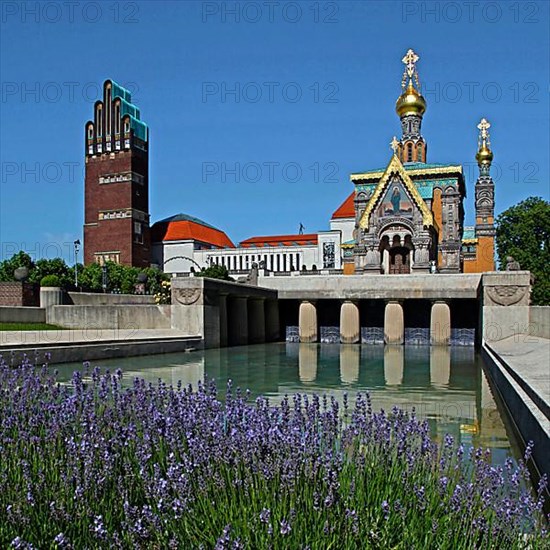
[117, 119]
[409, 152]
[99, 121]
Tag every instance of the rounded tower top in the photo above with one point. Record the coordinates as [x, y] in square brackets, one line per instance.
[484, 154]
[411, 101]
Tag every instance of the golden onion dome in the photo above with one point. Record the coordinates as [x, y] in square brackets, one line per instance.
[484, 155]
[410, 102]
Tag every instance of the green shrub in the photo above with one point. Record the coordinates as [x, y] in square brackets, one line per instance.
[50, 280]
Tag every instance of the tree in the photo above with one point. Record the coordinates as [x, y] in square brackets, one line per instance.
[215, 272]
[7, 267]
[523, 232]
[55, 266]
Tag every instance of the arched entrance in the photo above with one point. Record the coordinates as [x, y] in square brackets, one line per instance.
[396, 249]
[400, 260]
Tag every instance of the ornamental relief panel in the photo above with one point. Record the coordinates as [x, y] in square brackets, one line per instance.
[506, 295]
[186, 296]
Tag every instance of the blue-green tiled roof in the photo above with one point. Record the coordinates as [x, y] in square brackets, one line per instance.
[425, 187]
[469, 233]
[128, 108]
[409, 166]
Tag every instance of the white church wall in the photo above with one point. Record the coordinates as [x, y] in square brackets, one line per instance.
[345, 226]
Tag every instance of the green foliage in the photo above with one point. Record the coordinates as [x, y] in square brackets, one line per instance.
[523, 231]
[120, 278]
[50, 280]
[56, 267]
[89, 278]
[7, 267]
[215, 272]
[155, 278]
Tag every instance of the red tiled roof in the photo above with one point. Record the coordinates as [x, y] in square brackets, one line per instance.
[189, 230]
[280, 240]
[346, 209]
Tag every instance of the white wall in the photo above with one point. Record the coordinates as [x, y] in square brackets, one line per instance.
[345, 225]
[173, 249]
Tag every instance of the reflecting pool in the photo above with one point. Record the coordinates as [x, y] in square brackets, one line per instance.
[445, 385]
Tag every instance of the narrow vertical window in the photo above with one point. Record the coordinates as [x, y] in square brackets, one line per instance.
[409, 152]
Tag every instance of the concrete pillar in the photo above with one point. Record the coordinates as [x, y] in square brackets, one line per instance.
[349, 364]
[51, 296]
[272, 329]
[350, 330]
[307, 322]
[394, 325]
[307, 362]
[440, 366]
[440, 324]
[256, 321]
[223, 320]
[237, 322]
[394, 361]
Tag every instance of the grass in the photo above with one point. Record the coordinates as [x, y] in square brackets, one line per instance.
[28, 326]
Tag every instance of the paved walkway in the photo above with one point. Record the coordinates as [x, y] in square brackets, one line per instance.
[527, 359]
[17, 339]
[67, 346]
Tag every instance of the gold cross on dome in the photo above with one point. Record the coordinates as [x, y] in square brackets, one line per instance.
[483, 127]
[394, 145]
[410, 60]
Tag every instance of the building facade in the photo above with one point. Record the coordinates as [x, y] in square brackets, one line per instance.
[406, 217]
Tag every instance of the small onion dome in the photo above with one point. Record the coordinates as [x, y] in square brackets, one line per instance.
[410, 102]
[484, 155]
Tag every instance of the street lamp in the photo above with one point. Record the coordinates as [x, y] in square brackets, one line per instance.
[104, 277]
[76, 249]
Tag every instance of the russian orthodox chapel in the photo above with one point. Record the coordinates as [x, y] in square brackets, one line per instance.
[409, 217]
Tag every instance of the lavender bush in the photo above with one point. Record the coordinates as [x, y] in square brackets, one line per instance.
[91, 464]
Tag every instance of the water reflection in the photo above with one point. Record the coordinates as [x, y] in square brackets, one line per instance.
[440, 366]
[394, 361]
[350, 357]
[444, 385]
[307, 362]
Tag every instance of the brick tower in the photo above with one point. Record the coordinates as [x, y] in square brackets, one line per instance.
[485, 202]
[116, 216]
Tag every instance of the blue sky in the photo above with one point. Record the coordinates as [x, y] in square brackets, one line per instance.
[314, 89]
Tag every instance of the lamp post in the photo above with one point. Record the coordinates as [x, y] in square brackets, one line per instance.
[104, 277]
[76, 249]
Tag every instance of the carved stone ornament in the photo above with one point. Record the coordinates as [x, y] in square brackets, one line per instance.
[506, 295]
[187, 296]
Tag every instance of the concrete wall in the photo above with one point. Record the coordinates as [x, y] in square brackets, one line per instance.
[22, 314]
[527, 415]
[357, 287]
[113, 316]
[505, 311]
[539, 321]
[100, 299]
[214, 309]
